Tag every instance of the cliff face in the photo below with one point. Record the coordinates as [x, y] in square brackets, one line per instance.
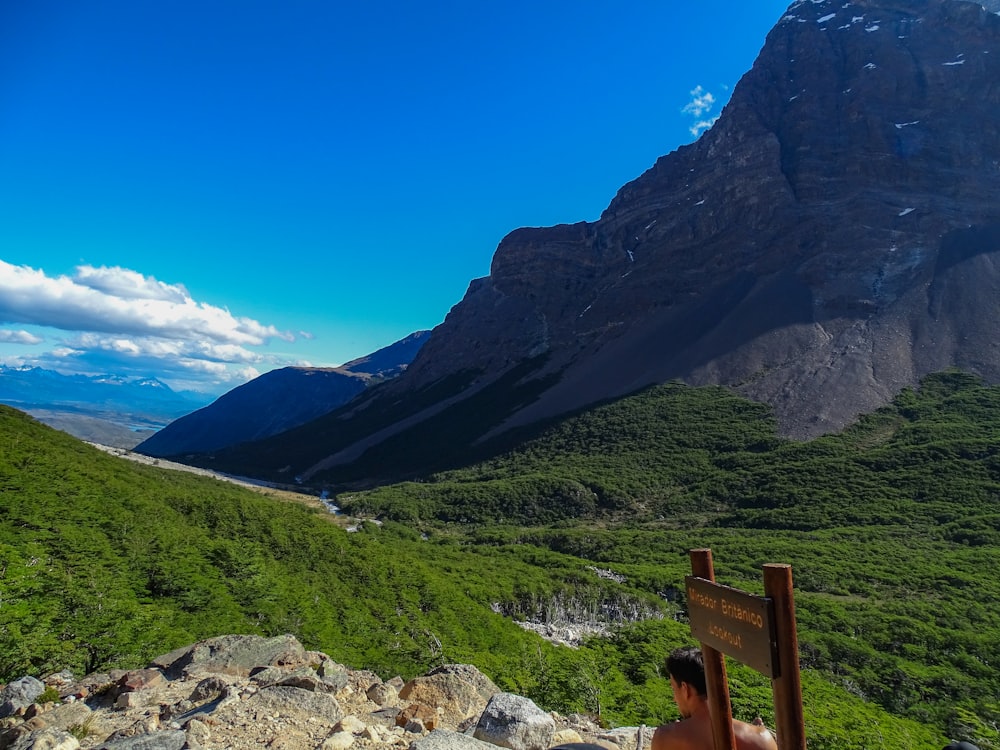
[830, 240]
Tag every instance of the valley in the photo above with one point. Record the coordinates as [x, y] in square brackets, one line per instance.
[779, 342]
[890, 528]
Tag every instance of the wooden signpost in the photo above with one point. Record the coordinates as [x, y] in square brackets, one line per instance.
[757, 631]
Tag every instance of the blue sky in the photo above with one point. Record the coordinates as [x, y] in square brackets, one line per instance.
[204, 191]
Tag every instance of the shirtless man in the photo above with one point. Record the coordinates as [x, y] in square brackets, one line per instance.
[694, 730]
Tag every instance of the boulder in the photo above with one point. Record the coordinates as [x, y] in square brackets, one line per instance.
[19, 694]
[460, 690]
[425, 715]
[233, 654]
[628, 737]
[382, 693]
[442, 739]
[351, 724]
[516, 722]
[338, 741]
[46, 739]
[62, 716]
[471, 674]
[334, 675]
[210, 687]
[60, 680]
[141, 679]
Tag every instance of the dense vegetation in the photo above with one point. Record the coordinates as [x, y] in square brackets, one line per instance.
[892, 527]
[892, 530]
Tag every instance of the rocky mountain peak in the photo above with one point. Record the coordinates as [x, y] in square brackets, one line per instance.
[826, 243]
[832, 239]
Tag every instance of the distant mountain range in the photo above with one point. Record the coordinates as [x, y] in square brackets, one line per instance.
[126, 412]
[833, 238]
[280, 400]
[106, 409]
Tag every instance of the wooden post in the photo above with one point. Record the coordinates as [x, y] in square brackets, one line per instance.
[716, 680]
[787, 686]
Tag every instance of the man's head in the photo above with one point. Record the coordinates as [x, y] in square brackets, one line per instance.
[686, 665]
[687, 678]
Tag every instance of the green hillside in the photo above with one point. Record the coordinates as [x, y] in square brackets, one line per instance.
[891, 529]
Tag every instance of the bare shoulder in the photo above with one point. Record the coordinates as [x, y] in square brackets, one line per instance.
[753, 737]
[675, 736]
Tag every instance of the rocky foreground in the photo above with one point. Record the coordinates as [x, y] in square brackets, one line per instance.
[236, 691]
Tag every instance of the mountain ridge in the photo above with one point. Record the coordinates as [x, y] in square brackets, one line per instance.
[280, 400]
[107, 409]
[736, 236]
[828, 242]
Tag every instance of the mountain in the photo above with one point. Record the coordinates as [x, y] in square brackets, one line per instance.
[829, 241]
[279, 400]
[107, 409]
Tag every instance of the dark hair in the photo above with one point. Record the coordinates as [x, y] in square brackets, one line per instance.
[686, 665]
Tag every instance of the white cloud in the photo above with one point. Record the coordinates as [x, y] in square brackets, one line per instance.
[121, 282]
[18, 337]
[701, 102]
[701, 126]
[120, 321]
[119, 301]
[700, 108]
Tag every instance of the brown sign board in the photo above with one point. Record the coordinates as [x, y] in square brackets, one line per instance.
[734, 623]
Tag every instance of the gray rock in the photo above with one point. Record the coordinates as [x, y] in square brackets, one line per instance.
[267, 675]
[19, 694]
[172, 739]
[442, 739]
[197, 732]
[210, 687]
[471, 674]
[338, 741]
[166, 661]
[628, 737]
[516, 722]
[303, 677]
[63, 716]
[233, 654]
[334, 675]
[382, 694]
[295, 702]
[46, 739]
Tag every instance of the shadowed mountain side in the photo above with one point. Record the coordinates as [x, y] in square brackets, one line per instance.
[279, 400]
[377, 439]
